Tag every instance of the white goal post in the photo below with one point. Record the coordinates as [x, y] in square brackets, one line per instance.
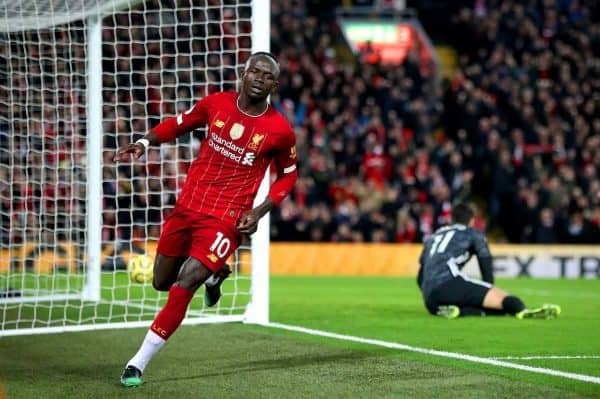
[78, 78]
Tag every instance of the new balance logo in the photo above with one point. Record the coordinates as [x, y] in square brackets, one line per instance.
[248, 159]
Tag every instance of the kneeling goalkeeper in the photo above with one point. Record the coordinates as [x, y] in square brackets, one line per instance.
[448, 292]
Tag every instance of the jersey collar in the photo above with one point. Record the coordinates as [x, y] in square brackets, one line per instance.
[237, 103]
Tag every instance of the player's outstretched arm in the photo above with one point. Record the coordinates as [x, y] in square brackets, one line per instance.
[136, 149]
[167, 130]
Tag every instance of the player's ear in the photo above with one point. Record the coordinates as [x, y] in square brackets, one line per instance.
[275, 86]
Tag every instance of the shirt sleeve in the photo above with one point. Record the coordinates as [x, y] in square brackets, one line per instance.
[484, 258]
[285, 162]
[421, 266]
[187, 121]
[422, 261]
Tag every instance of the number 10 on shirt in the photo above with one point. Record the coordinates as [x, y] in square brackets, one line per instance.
[220, 245]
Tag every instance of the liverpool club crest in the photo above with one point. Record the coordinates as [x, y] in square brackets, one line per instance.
[236, 131]
[256, 139]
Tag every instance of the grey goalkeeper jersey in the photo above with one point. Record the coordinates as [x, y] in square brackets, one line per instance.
[447, 251]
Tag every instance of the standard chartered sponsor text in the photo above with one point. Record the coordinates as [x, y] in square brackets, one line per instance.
[225, 147]
[226, 143]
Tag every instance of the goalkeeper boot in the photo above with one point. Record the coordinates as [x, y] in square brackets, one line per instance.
[131, 377]
[448, 311]
[546, 311]
[212, 293]
[552, 311]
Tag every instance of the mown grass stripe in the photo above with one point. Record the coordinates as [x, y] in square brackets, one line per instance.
[453, 355]
[546, 357]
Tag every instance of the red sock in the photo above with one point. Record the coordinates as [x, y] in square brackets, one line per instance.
[171, 316]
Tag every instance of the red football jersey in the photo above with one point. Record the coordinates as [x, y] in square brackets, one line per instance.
[224, 179]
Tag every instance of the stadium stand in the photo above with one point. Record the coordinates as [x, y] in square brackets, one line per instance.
[384, 150]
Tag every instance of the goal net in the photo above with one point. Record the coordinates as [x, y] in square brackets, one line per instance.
[79, 78]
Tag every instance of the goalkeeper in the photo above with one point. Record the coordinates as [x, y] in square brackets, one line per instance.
[449, 293]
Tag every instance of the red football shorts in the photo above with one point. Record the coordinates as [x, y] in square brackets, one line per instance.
[188, 233]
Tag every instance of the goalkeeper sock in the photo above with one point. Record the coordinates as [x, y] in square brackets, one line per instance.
[171, 316]
[152, 344]
[512, 305]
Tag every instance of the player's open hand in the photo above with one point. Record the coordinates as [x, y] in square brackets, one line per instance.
[136, 149]
[248, 223]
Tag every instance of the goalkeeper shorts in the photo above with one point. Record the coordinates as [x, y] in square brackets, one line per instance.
[460, 291]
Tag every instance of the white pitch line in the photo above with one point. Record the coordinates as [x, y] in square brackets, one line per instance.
[453, 355]
[542, 357]
[570, 294]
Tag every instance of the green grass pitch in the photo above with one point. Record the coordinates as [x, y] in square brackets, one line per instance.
[246, 361]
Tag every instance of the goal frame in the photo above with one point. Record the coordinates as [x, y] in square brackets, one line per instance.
[257, 310]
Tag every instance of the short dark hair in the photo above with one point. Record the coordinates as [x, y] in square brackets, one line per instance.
[264, 53]
[462, 213]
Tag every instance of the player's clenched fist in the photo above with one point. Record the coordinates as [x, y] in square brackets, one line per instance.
[137, 149]
[248, 223]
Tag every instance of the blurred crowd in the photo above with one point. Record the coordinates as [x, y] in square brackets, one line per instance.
[384, 150]
[526, 104]
[42, 137]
